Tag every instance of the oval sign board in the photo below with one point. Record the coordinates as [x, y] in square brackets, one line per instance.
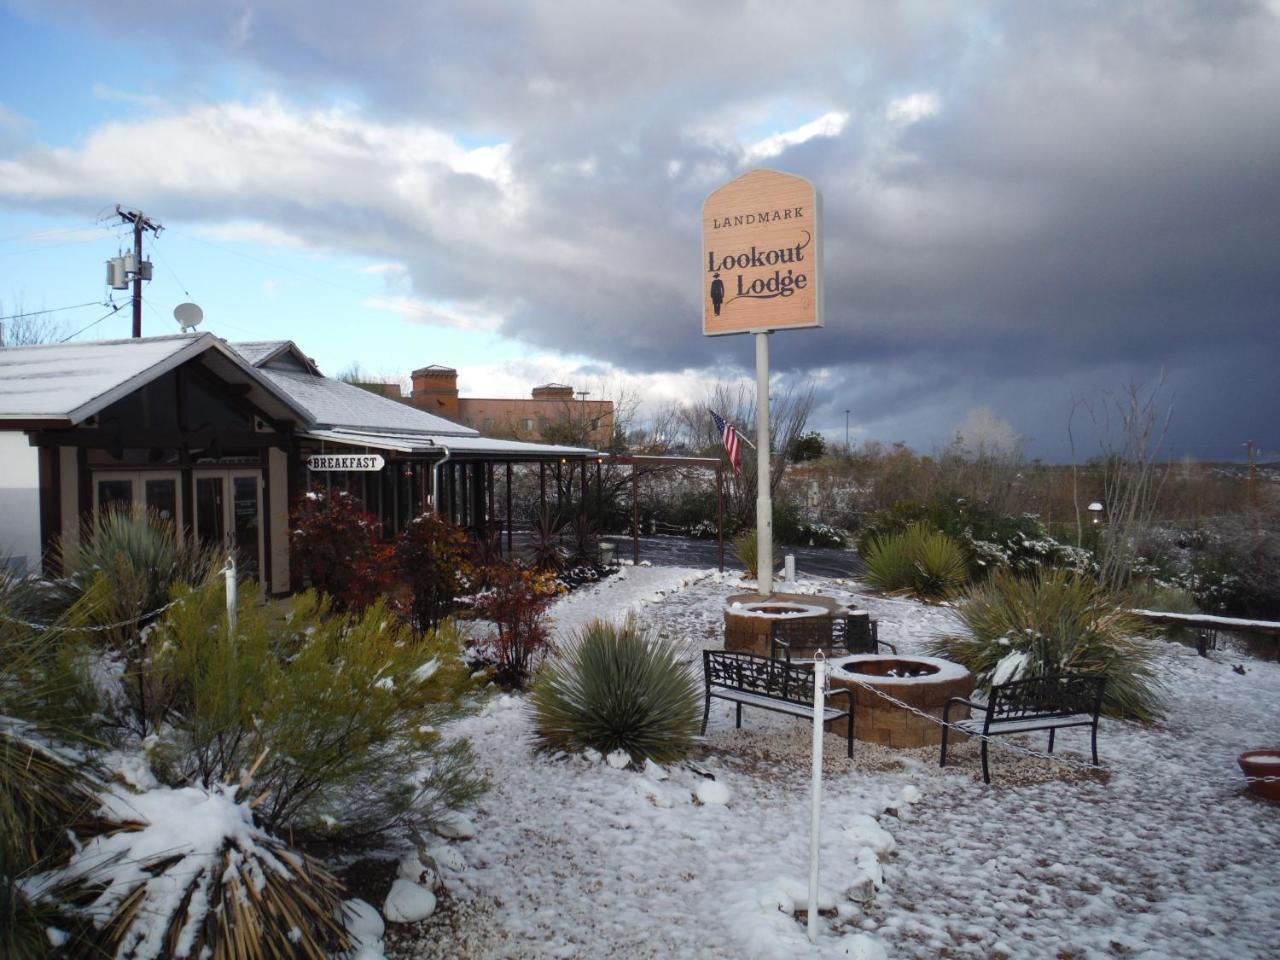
[761, 255]
[346, 461]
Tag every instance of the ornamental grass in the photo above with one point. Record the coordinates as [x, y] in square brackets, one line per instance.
[1052, 623]
[617, 687]
[919, 561]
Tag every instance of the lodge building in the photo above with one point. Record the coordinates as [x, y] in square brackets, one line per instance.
[217, 436]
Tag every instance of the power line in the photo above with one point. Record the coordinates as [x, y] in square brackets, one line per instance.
[38, 313]
[114, 310]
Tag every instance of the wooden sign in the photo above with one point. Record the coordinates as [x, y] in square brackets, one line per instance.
[761, 255]
[346, 461]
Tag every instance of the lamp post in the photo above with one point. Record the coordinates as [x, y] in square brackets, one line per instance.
[1096, 509]
[846, 431]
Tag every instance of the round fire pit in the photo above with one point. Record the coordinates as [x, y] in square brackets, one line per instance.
[925, 683]
[749, 618]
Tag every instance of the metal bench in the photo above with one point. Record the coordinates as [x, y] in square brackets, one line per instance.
[1041, 703]
[748, 679]
[801, 637]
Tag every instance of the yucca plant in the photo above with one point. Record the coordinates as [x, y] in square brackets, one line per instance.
[919, 560]
[746, 548]
[187, 873]
[617, 687]
[1057, 622]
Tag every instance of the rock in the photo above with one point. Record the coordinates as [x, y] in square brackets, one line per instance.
[364, 923]
[869, 865]
[450, 858]
[455, 826]
[647, 788]
[910, 794]
[654, 771]
[796, 892]
[866, 832]
[412, 868]
[863, 946]
[862, 890]
[618, 759]
[592, 756]
[712, 793]
[408, 902]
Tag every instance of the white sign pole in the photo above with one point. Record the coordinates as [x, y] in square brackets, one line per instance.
[764, 504]
[815, 816]
[230, 573]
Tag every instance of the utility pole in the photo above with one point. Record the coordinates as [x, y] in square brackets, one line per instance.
[142, 269]
[846, 431]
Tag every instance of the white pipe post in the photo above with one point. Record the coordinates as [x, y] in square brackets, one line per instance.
[229, 571]
[764, 503]
[815, 815]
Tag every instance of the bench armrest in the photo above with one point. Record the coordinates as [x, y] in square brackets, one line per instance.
[981, 707]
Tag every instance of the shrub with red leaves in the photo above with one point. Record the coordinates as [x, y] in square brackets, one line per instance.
[337, 547]
[517, 606]
[433, 559]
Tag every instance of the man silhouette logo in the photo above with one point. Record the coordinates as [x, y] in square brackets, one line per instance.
[717, 293]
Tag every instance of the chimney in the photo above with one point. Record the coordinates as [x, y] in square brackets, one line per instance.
[435, 390]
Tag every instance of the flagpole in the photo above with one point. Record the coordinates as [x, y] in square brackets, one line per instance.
[764, 503]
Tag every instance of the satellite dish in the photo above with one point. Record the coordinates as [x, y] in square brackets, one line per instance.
[188, 315]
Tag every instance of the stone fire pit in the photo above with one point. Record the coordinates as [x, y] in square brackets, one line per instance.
[926, 683]
[749, 617]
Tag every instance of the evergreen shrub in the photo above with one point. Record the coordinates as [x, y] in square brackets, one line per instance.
[617, 687]
[1056, 622]
[340, 713]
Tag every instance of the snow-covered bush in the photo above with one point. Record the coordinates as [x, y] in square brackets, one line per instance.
[432, 558]
[615, 687]
[1051, 623]
[188, 873]
[345, 709]
[919, 560]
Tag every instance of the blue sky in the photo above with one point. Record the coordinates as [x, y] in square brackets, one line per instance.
[1024, 204]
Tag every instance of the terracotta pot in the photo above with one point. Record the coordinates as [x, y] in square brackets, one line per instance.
[1262, 763]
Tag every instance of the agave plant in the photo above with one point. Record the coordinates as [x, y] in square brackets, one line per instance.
[919, 560]
[746, 548]
[616, 687]
[1056, 622]
[187, 873]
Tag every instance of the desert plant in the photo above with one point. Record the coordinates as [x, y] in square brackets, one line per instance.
[547, 551]
[336, 547]
[517, 605]
[126, 564]
[746, 549]
[432, 557]
[617, 687]
[346, 706]
[919, 560]
[189, 873]
[1051, 623]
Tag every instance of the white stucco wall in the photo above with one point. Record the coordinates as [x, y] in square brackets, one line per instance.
[19, 501]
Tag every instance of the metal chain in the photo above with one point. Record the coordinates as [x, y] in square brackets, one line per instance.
[97, 628]
[1014, 747]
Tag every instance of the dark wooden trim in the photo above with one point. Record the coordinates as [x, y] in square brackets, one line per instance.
[163, 439]
[84, 482]
[264, 504]
[50, 471]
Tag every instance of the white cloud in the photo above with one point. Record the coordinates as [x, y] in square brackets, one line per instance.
[263, 233]
[418, 310]
[828, 125]
[914, 108]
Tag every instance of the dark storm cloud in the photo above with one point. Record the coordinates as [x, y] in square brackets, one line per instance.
[1078, 195]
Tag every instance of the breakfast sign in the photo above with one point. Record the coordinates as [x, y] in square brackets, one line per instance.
[761, 255]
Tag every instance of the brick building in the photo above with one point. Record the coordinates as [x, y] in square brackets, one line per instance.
[551, 410]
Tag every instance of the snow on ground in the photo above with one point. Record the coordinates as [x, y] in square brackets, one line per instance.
[1161, 856]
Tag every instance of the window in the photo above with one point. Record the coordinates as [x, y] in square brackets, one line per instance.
[526, 423]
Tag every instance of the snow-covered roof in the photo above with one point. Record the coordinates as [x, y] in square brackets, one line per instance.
[282, 353]
[333, 403]
[472, 445]
[69, 382]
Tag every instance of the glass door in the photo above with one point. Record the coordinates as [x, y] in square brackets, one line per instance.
[228, 506]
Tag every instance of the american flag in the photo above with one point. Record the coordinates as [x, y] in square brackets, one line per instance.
[732, 446]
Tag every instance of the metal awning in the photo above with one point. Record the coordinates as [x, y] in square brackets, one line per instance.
[468, 447]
